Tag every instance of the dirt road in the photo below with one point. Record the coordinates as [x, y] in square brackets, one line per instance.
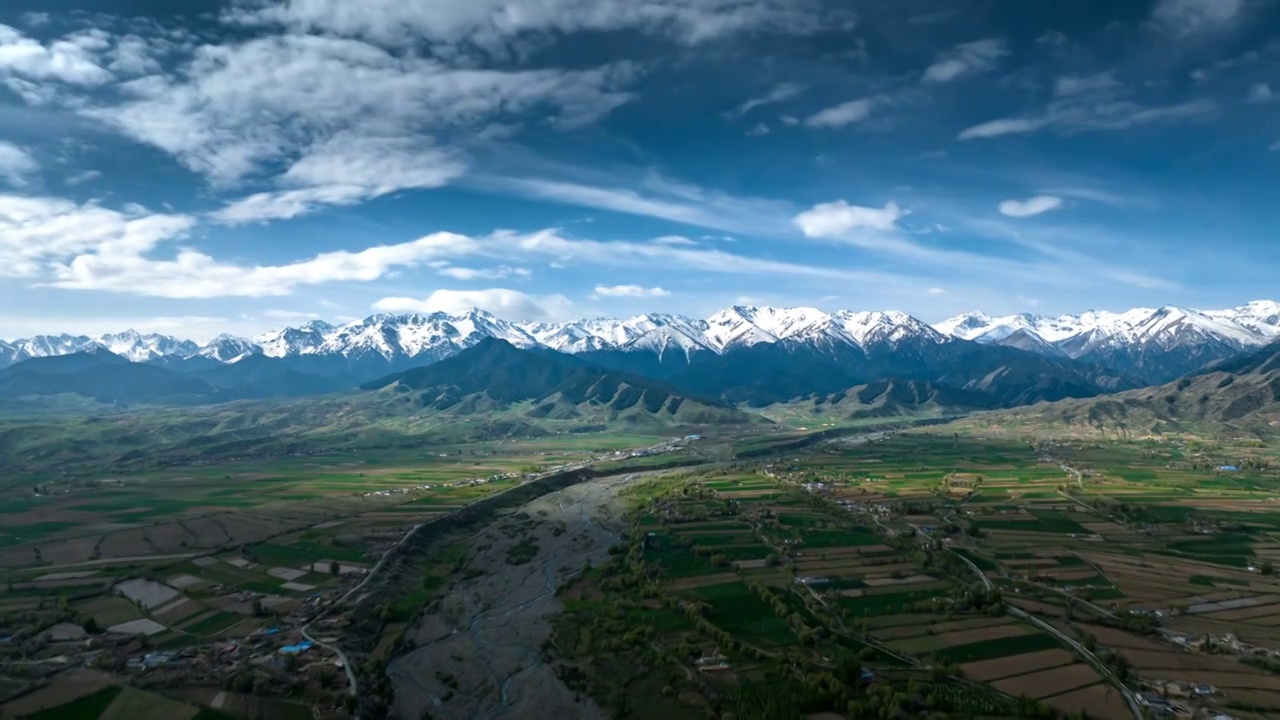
[479, 655]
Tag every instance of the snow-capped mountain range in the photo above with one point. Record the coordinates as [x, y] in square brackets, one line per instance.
[1153, 344]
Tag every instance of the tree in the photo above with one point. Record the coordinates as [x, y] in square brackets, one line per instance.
[257, 607]
[90, 626]
[1267, 568]
[334, 567]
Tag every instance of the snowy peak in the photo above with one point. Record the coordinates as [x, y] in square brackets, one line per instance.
[739, 327]
[966, 326]
[892, 328]
[1155, 344]
[1167, 326]
[302, 340]
[415, 335]
[229, 349]
[1260, 316]
[137, 347]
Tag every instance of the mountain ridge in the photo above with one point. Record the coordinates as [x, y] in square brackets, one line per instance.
[1152, 345]
[1240, 396]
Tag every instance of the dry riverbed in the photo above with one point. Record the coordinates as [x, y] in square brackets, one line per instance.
[478, 656]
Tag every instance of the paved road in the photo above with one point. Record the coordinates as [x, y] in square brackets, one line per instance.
[1130, 698]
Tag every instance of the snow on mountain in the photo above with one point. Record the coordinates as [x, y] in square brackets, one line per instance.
[1155, 345]
[47, 345]
[1181, 336]
[967, 326]
[229, 349]
[1168, 326]
[432, 336]
[743, 326]
[868, 329]
[137, 347]
[981, 327]
[736, 327]
[129, 344]
[667, 333]
[295, 341]
[1259, 316]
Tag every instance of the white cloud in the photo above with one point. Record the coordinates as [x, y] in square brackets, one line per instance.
[1275, 146]
[82, 177]
[133, 56]
[845, 113]
[287, 204]
[192, 274]
[647, 255]
[1070, 116]
[1031, 206]
[1068, 85]
[1189, 17]
[659, 198]
[63, 60]
[493, 24]
[936, 291]
[35, 231]
[1003, 126]
[465, 273]
[507, 304]
[674, 240]
[780, 93]
[629, 291]
[1261, 93]
[346, 169]
[838, 219]
[16, 164]
[238, 109]
[967, 59]
[760, 130]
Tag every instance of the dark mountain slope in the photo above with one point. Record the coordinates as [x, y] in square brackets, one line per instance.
[1004, 376]
[102, 376]
[495, 376]
[1237, 396]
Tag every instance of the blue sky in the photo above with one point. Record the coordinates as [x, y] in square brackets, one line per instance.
[255, 163]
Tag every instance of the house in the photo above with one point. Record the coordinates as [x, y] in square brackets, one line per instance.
[1228, 468]
[1203, 690]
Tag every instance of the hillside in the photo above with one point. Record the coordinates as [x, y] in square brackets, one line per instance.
[99, 375]
[1237, 397]
[883, 399]
[491, 391]
[993, 376]
[495, 376]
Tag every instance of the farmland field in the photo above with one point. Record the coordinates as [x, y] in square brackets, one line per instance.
[1010, 577]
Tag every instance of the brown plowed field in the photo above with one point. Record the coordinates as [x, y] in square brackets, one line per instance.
[1048, 682]
[996, 668]
[1101, 701]
[964, 637]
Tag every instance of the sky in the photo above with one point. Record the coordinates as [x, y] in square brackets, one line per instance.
[250, 164]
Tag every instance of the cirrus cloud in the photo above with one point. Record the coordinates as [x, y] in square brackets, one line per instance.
[16, 164]
[847, 113]
[967, 59]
